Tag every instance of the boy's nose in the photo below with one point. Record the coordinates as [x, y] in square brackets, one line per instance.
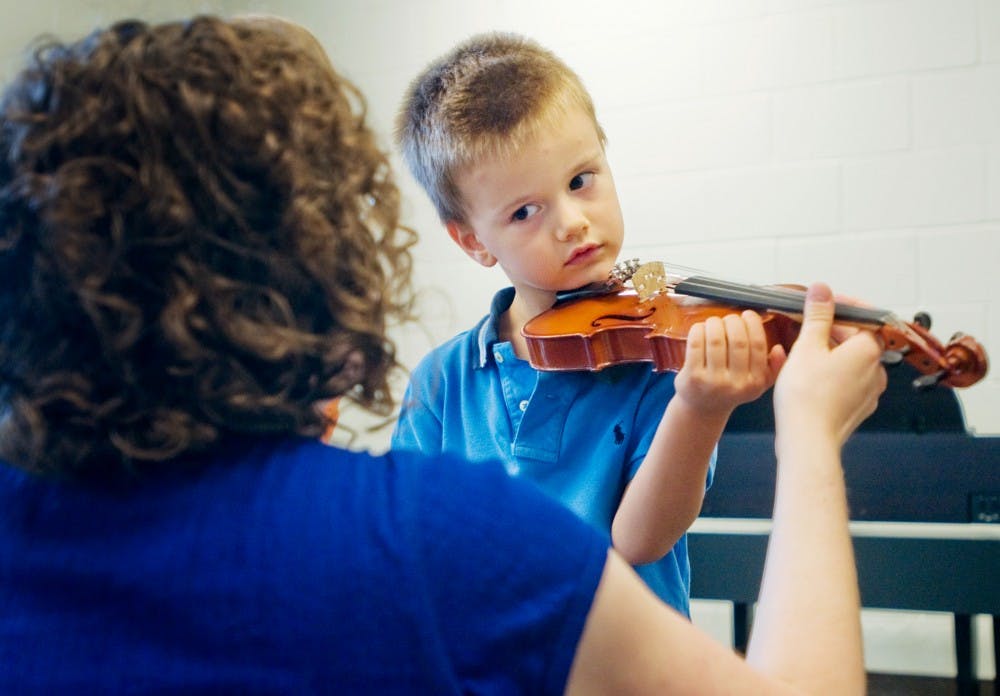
[572, 221]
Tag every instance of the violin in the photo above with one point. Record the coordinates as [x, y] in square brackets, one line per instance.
[611, 323]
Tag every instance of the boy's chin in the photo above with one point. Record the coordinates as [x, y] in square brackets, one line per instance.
[600, 274]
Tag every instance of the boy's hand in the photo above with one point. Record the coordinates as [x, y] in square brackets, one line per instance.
[727, 363]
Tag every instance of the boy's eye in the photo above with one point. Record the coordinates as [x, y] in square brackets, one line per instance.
[580, 180]
[524, 212]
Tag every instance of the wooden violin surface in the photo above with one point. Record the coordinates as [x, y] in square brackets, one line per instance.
[594, 331]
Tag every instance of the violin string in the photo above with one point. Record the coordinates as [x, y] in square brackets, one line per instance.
[700, 283]
[785, 299]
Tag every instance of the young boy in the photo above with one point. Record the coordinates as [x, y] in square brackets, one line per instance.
[503, 137]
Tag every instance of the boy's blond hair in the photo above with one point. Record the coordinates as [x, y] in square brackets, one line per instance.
[484, 99]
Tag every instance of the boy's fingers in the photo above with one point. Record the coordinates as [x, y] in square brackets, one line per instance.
[756, 336]
[695, 346]
[737, 342]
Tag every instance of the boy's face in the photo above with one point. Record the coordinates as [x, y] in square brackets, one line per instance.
[549, 216]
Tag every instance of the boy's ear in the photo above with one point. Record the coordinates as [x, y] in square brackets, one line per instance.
[465, 237]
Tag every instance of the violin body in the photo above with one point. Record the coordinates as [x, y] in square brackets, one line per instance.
[595, 331]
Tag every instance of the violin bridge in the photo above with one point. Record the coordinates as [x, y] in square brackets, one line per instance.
[649, 280]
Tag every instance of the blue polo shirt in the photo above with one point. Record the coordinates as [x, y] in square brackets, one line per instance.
[580, 436]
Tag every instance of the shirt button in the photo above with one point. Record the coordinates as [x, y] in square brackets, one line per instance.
[523, 405]
[498, 357]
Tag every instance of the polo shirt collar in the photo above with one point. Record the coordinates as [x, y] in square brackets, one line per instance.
[489, 328]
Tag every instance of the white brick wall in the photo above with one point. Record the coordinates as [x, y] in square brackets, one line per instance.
[851, 141]
[905, 36]
[839, 120]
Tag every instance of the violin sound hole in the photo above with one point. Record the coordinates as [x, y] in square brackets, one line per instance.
[599, 321]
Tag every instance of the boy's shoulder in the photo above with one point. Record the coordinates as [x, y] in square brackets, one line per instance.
[459, 347]
[469, 349]
[460, 352]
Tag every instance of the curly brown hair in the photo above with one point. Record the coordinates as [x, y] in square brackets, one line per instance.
[199, 239]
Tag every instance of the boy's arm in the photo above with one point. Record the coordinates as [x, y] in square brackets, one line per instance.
[727, 363]
[665, 495]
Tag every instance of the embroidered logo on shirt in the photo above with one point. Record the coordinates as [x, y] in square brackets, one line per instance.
[619, 434]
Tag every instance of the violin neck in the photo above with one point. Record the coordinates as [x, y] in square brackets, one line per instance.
[772, 298]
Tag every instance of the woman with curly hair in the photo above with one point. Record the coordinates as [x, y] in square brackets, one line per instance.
[199, 248]
[191, 258]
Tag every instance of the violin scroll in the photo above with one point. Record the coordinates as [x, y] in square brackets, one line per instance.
[959, 363]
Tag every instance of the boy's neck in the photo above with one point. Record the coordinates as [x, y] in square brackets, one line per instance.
[510, 330]
[521, 310]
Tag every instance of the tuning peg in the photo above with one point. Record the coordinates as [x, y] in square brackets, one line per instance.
[927, 381]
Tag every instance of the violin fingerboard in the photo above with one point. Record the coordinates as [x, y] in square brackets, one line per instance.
[779, 299]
